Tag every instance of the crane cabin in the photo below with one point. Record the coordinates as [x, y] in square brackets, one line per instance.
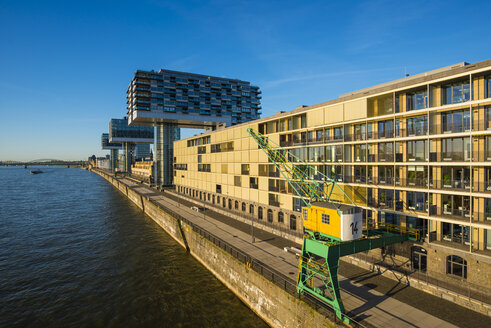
[337, 221]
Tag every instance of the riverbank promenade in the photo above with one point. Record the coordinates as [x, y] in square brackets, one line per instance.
[370, 300]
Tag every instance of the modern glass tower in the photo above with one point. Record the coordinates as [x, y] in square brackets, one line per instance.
[170, 100]
[113, 147]
[129, 136]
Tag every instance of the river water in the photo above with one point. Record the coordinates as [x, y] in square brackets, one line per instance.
[76, 253]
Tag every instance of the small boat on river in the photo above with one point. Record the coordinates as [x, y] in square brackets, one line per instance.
[37, 171]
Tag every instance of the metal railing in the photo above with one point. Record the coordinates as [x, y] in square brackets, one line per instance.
[286, 283]
[461, 287]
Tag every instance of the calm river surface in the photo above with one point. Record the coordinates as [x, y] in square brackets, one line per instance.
[74, 252]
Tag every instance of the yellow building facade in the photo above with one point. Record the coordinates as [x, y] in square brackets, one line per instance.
[415, 152]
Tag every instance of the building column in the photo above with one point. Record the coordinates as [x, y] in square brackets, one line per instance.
[128, 151]
[114, 159]
[165, 135]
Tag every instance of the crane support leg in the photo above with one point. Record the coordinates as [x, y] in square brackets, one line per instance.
[318, 275]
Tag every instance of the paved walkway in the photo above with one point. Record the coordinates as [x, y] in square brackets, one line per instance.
[363, 303]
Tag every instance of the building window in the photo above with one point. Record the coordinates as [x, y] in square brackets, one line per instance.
[380, 105]
[487, 116]
[270, 216]
[386, 174]
[251, 209]
[386, 129]
[417, 201]
[219, 189]
[456, 149]
[456, 121]
[297, 204]
[456, 92]
[457, 266]
[253, 183]
[281, 218]
[325, 218]
[243, 207]
[229, 204]
[386, 152]
[419, 258]
[245, 169]
[417, 100]
[360, 132]
[237, 181]
[417, 150]
[360, 153]
[236, 205]
[293, 222]
[260, 213]
[488, 238]
[456, 233]
[304, 214]
[417, 126]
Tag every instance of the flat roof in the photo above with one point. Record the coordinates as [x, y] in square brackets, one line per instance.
[384, 87]
[162, 71]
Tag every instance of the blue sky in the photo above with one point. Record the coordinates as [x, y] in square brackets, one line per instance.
[65, 65]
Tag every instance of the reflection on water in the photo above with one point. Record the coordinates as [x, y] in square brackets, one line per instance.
[74, 252]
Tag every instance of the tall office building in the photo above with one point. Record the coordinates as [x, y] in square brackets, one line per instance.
[415, 153]
[129, 137]
[170, 100]
[113, 147]
[142, 151]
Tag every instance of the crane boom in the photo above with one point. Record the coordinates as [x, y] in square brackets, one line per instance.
[309, 190]
[327, 226]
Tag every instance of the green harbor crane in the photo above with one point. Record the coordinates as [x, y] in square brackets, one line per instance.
[332, 228]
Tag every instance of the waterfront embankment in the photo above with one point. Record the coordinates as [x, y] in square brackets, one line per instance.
[263, 275]
[266, 291]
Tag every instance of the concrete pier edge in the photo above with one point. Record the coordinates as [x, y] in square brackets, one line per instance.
[270, 302]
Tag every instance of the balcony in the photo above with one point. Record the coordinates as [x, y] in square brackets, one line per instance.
[458, 184]
[286, 143]
[414, 182]
[299, 142]
[450, 128]
[456, 156]
[383, 135]
[313, 141]
[388, 181]
[482, 186]
[385, 157]
[415, 132]
[447, 211]
[355, 179]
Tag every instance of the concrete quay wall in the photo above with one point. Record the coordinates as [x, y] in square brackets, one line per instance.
[270, 302]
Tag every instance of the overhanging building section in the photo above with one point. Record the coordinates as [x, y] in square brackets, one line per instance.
[128, 136]
[170, 100]
[190, 100]
[114, 147]
[120, 132]
[415, 152]
[181, 120]
[105, 144]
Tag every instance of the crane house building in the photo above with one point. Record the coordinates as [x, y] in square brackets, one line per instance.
[415, 152]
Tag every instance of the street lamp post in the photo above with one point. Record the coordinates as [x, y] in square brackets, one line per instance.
[252, 228]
